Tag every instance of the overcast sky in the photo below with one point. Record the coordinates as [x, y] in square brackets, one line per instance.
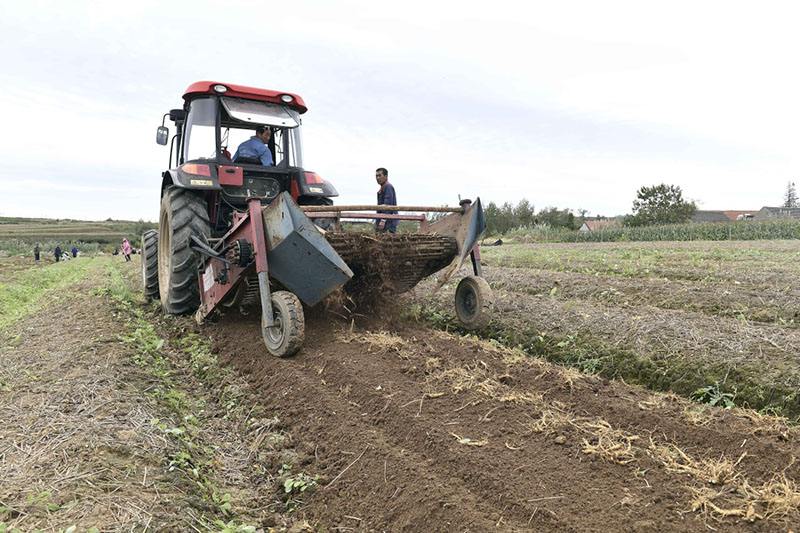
[568, 104]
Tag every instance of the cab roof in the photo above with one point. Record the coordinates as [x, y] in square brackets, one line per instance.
[249, 93]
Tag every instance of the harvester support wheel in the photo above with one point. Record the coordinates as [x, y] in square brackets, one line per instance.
[183, 214]
[474, 302]
[287, 335]
[150, 264]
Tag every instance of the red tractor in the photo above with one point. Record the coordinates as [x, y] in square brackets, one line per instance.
[235, 232]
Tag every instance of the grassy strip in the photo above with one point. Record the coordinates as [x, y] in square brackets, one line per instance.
[718, 384]
[25, 293]
[193, 457]
[273, 466]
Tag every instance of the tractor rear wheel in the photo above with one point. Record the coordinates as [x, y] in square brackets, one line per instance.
[474, 302]
[150, 264]
[287, 335]
[183, 214]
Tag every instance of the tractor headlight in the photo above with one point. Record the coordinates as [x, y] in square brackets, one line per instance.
[220, 88]
[287, 98]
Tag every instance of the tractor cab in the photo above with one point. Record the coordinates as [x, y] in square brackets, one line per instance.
[216, 118]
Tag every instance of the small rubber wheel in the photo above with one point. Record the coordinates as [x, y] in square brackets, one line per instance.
[150, 264]
[287, 335]
[474, 302]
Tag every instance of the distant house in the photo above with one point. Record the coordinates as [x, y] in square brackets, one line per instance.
[771, 213]
[597, 225]
[709, 216]
[722, 216]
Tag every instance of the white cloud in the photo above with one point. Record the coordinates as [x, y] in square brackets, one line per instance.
[574, 104]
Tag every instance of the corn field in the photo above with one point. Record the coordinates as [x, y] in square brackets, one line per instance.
[748, 230]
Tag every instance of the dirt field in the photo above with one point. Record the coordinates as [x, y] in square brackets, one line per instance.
[134, 421]
[670, 316]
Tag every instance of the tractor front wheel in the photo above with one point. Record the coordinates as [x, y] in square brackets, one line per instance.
[474, 302]
[150, 264]
[183, 214]
[288, 333]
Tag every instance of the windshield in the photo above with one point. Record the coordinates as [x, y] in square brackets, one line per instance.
[200, 141]
[239, 119]
[260, 112]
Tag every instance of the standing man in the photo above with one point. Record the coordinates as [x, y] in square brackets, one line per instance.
[36, 252]
[256, 147]
[386, 196]
[57, 253]
[74, 251]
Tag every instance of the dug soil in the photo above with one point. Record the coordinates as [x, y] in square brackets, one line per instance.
[400, 429]
[423, 431]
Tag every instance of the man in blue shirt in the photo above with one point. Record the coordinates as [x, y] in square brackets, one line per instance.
[386, 196]
[256, 147]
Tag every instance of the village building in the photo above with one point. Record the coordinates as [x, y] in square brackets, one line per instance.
[597, 225]
[772, 213]
[722, 216]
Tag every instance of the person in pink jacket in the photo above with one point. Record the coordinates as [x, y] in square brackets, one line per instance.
[126, 249]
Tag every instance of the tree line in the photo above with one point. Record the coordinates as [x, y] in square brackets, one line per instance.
[654, 205]
[501, 219]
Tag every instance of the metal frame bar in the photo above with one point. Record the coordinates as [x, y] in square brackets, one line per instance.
[214, 288]
[367, 216]
[262, 268]
[340, 208]
[475, 256]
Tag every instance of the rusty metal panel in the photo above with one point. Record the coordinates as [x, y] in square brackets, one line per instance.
[466, 228]
[299, 256]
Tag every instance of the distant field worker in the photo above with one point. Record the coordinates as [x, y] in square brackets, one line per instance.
[126, 249]
[57, 253]
[36, 253]
[386, 196]
[74, 251]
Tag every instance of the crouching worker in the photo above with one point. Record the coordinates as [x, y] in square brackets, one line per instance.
[386, 196]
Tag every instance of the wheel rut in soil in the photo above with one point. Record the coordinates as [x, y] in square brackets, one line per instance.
[423, 430]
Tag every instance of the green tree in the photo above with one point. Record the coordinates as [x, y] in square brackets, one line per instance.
[660, 204]
[506, 219]
[524, 216]
[556, 218]
[790, 198]
[492, 214]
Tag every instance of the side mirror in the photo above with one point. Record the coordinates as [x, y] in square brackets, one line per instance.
[162, 135]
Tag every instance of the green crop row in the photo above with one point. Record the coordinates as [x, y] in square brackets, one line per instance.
[748, 230]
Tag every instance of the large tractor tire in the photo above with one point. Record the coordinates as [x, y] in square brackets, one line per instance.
[474, 302]
[183, 214]
[150, 264]
[287, 335]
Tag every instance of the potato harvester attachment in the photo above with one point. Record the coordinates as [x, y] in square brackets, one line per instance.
[279, 246]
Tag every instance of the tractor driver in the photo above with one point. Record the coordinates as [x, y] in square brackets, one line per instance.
[256, 147]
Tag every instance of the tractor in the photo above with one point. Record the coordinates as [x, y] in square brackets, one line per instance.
[235, 233]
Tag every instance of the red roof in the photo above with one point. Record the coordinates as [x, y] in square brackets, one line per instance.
[734, 215]
[249, 93]
[595, 225]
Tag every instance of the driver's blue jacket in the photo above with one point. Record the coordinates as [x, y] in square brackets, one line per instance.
[255, 148]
